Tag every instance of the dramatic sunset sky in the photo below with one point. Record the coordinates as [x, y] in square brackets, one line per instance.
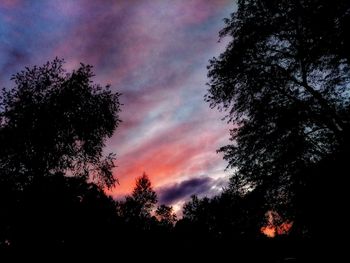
[155, 53]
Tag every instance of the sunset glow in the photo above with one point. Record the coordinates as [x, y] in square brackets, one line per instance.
[272, 231]
[212, 128]
[273, 226]
[155, 53]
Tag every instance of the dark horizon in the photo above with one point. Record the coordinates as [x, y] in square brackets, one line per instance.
[210, 128]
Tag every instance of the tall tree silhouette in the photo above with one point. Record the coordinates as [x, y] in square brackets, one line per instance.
[53, 126]
[136, 209]
[144, 195]
[284, 84]
[53, 121]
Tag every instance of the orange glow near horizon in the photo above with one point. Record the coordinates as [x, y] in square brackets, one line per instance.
[284, 228]
[271, 231]
[165, 163]
[272, 228]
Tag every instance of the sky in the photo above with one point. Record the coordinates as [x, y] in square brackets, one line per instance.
[155, 53]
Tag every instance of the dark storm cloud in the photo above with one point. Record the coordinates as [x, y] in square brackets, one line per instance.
[195, 186]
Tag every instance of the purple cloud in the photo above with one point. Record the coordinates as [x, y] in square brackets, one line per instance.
[200, 186]
[155, 53]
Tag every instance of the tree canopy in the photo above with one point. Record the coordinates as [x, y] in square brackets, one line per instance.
[283, 82]
[53, 121]
[166, 216]
[53, 127]
[137, 207]
[144, 195]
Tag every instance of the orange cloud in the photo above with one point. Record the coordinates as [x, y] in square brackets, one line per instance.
[167, 160]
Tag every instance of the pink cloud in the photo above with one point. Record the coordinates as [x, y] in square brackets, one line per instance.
[155, 54]
[145, 50]
[10, 3]
[180, 152]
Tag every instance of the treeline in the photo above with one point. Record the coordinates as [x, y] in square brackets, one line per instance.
[53, 176]
[283, 82]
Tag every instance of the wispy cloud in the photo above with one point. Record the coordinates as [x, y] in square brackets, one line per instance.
[153, 51]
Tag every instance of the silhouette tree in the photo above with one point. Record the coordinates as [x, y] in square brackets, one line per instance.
[284, 84]
[195, 209]
[144, 195]
[166, 216]
[53, 122]
[136, 209]
[53, 127]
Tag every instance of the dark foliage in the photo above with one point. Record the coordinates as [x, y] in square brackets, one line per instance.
[53, 122]
[53, 126]
[56, 212]
[283, 81]
[136, 209]
[166, 217]
[227, 216]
